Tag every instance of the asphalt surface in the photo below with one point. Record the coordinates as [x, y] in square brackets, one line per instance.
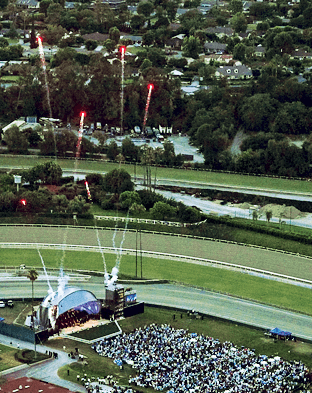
[45, 371]
[178, 296]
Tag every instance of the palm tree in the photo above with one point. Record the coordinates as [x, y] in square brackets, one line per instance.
[32, 275]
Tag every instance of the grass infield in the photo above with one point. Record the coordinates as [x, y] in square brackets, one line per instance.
[220, 280]
[170, 173]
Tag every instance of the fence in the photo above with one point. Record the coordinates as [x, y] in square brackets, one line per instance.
[161, 255]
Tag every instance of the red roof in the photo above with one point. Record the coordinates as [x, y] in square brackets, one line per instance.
[31, 385]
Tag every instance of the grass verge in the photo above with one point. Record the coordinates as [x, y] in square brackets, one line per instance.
[220, 280]
[171, 173]
[98, 366]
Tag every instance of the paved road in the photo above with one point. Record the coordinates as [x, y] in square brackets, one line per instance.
[186, 298]
[45, 371]
[290, 265]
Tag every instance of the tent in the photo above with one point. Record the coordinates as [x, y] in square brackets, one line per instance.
[280, 332]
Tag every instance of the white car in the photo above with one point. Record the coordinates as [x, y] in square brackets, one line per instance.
[2, 304]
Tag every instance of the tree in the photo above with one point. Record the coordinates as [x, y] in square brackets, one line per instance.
[49, 172]
[255, 215]
[239, 23]
[54, 14]
[191, 47]
[110, 45]
[145, 8]
[239, 52]
[137, 21]
[268, 215]
[114, 34]
[257, 112]
[16, 141]
[236, 6]
[162, 211]
[112, 150]
[148, 38]
[129, 150]
[128, 198]
[117, 181]
[32, 275]
[78, 205]
[53, 34]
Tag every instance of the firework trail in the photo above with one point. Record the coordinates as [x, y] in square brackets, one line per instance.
[43, 63]
[122, 51]
[78, 147]
[45, 271]
[115, 270]
[150, 88]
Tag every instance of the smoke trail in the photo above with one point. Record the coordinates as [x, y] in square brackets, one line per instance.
[122, 240]
[78, 147]
[103, 256]
[45, 270]
[63, 249]
[122, 51]
[62, 283]
[115, 270]
[43, 63]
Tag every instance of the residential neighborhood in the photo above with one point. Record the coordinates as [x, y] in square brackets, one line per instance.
[211, 64]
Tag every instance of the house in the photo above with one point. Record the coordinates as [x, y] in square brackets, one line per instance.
[20, 124]
[259, 51]
[69, 5]
[28, 4]
[233, 72]
[115, 4]
[96, 37]
[214, 47]
[174, 26]
[176, 41]
[218, 58]
[300, 54]
[220, 31]
[133, 39]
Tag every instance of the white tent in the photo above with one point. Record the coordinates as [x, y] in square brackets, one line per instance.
[176, 73]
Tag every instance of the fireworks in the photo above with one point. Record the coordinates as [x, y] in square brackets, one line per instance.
[150, 88]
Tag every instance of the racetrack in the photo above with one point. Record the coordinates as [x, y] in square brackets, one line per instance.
[291, 265]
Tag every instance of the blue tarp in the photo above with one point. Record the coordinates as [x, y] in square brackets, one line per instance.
[1, 319]
[280, 332]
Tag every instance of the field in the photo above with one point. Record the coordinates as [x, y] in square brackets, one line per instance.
[171, 173]
[237, 284]
[225, 331]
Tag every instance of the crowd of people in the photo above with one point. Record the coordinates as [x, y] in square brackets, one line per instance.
[71, 318]
[176, 361]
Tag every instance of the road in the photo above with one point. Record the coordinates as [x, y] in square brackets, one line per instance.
[174, 295]
[186, 298]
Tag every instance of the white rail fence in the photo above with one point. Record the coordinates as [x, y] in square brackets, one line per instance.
[161, 255]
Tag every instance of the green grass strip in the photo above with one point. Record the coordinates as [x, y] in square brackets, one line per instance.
[233, 283]
[256, 182]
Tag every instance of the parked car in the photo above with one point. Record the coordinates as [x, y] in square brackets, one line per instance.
[137, 129]
[10, 303]
[2, 304]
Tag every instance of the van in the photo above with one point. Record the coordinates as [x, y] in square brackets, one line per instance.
[10, 303]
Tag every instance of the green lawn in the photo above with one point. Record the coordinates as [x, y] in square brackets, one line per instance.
[171, 173]
[10, 78]
[239, 335]
[221, 280]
